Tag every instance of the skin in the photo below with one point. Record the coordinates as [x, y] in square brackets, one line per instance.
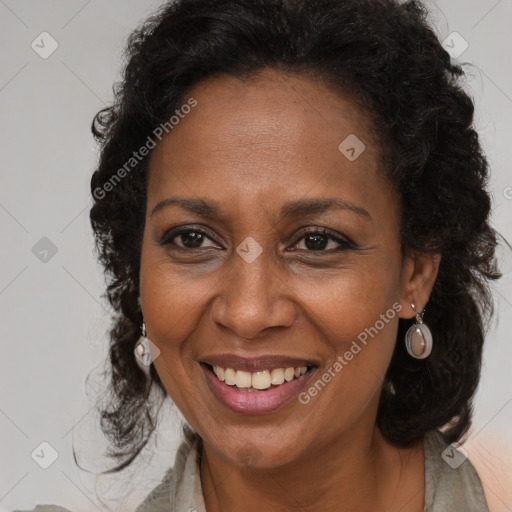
[252, 146]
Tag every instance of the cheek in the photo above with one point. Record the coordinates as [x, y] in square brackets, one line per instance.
[350, 302]
[172, 310]
[171, 304]
[357, 316]
[170, 296]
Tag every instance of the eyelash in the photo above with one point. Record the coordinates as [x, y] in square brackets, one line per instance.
[344, 244]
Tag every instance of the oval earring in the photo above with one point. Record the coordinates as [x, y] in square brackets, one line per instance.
[142, 351]
[418, 339]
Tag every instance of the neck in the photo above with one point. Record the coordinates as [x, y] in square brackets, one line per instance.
[360, 471]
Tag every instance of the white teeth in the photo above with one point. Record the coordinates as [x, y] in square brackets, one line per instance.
[289, 373]
[230, 376]
[277, 376]
[259, 380]
[243, 379]
[219, 371]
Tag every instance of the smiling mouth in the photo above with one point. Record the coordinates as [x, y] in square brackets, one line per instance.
[257, 381]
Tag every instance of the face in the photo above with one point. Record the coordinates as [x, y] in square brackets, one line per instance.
[266, 247]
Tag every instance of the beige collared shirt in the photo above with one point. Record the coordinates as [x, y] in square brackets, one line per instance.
[451, 482]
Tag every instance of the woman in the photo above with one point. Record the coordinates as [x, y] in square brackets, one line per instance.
[292, 212]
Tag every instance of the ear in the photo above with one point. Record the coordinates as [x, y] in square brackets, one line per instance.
[419, 273]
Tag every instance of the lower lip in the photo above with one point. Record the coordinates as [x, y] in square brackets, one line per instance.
[257, 402]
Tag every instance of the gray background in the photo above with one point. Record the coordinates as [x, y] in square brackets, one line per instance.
[54, 322]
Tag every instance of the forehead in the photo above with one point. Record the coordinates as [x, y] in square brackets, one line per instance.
[270, 134]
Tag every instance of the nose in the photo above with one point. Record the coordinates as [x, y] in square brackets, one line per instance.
[253, 297]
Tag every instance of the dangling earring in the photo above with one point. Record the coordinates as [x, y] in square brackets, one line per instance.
[418, 339]
[142, 352]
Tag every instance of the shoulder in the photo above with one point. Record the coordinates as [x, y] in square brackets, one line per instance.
[179, 483]
[158, 500]
[451, 481]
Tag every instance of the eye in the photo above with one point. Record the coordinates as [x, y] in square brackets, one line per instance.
[187, 238]
[322, 240]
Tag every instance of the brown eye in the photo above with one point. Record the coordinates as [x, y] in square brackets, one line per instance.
[187, 239]
[191, 239]
[320, 240]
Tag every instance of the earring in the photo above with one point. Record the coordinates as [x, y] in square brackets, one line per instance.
[418, 339]
[142, 352]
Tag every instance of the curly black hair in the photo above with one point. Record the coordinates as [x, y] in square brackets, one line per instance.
[386, 56]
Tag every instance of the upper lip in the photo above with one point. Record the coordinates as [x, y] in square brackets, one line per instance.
[252, 364]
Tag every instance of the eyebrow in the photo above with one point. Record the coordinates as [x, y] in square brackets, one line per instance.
[301, 207]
